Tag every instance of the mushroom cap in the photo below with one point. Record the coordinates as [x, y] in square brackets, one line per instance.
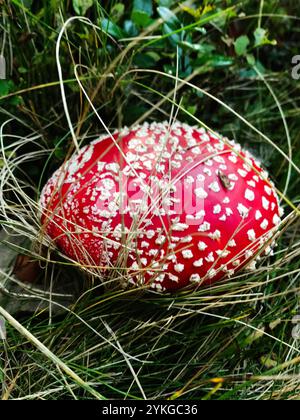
[164, 206]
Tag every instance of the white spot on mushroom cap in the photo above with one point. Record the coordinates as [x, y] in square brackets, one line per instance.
[195, 278]
[251, 183]
[233, 158]
[236, 263]
[144, 261]
[180, 227]
[249, 195]
[215, 235]
[229, 211]
[174, 278]
[251, 266]
[258, 215]
[200, 193]
[242, 173]
[202, 246]
[251, 235]
[161, 239]
[187, 254]
[276, 220]
[210, 257]
[135, 266]
[187, 239]
[268, 190]
[196, 150]
[233, 177]
[200, 214]
[249, 254]
[179, 268]
[265, 203]
[150, 234]
[212, 273]
[113, 167]
[189, 180]
[232, 243]
[217, 209]
[223, 253]
[205, 137]
[148, 165]
[204, 227]
[201, 178]
[108, 184]
[198, 263]
[160, 278]
[209, 162]
[207, 171]
[264, 224]
[243, 210]
[219, 159]
[215, 187]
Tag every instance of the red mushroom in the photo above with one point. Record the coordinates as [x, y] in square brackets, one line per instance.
[165, 207]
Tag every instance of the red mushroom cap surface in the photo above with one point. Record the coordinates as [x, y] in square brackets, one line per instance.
[164, 206]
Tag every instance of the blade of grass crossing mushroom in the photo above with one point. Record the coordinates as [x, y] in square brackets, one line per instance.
[60, 74]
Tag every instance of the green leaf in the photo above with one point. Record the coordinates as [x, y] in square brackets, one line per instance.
[144, 60]
[140, 18]
[165, 3]
[16, 100]
[251, 59]
[117, 11]
[22, 70]
[261, 38]
[130, 28]
[192, 109]
[6, 87]
[201, 48]
[82, 6]
[141, 12]
[155, 56]
[241, 45]
[174, 38]
[213, 61]
[143, 6]
[172, 23]
[169, 17]
[218, 61]
[112, 28]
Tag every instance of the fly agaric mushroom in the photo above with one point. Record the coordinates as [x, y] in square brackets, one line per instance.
[166, 207]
